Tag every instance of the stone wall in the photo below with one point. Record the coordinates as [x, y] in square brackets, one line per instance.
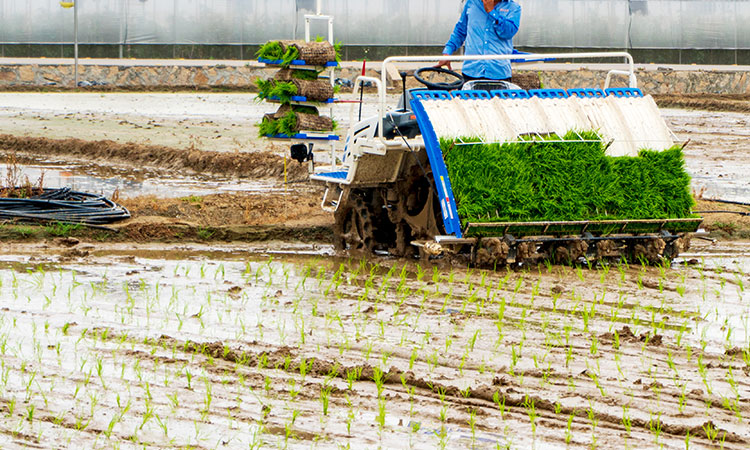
[651, 81]
[658, 81]
[129, 76]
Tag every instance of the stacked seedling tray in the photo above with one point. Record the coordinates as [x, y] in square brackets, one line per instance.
[298, 89]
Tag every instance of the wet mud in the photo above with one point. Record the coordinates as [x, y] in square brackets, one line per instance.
[194, 345]
[240, 164]
[227, 321]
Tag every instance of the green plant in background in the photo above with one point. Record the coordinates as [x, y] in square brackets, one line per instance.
[337, 46]
[565, 180]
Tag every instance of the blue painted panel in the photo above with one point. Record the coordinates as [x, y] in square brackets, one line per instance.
[439, 171]
[510, 93]
[548, 93]
[624, 92]
[431, 95]
[471, 95]
[587, 93]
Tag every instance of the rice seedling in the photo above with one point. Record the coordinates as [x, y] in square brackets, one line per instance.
[325, 392]
[514, 194]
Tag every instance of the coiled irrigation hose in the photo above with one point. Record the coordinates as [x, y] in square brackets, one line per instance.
[62, 205]
[722, 212]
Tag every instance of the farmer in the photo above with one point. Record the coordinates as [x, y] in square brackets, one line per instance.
[486, 27]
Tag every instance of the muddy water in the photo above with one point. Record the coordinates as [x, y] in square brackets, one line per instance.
[718, 153]
[285, 346]
[135, 182]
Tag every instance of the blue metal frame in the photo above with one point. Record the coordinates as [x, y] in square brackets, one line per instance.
[587, 93]
[301, 99]
[470, 94]
[435, 155]
[305, 136]
[518, 52]
[510, 93]
[432, 144]
[431, 95]
[296, 62]
[338, 175]
[548, 93]
[624, 92]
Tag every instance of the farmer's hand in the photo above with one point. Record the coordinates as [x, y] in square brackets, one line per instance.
[445, 63]
[489, 5]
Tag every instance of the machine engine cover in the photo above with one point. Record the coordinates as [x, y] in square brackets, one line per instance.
[405, 121]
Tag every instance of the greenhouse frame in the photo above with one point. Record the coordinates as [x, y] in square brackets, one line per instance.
[677, 31]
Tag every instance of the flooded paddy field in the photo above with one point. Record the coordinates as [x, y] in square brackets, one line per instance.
[716, 153]
[285, 345]
[136, 182]
[171, 331]
[226, 123]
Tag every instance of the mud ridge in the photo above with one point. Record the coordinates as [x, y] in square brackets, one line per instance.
[483, 392]
[255, 165]
[176, 233]
[705, 102]
[167, 233]
[284, 358]
[111, 88]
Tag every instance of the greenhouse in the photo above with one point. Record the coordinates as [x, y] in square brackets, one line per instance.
[675, 31]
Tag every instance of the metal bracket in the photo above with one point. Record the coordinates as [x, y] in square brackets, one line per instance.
[336, 203]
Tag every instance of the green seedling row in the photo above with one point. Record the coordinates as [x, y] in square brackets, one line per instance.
[282, 90]
[273, 50]
[271, 127]
[565, 180]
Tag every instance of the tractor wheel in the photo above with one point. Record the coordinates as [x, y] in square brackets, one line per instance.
[353, 228]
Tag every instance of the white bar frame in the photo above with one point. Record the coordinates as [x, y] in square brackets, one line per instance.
[630, 72]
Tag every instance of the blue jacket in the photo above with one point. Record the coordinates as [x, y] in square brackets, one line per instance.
[486, 34]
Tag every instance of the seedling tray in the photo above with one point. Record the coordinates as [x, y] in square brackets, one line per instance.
[305, 137]
[296, 64]
[300, 99]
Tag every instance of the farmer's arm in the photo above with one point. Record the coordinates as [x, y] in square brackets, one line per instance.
[457, 37]
[507, 20]
[459, 33]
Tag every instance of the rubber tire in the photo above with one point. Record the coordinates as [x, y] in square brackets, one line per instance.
[353, 228]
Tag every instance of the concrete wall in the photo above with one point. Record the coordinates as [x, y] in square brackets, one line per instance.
[243, 76]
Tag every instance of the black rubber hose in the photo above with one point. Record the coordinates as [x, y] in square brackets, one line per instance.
[723, 212]
[729, 202]
[62, 205]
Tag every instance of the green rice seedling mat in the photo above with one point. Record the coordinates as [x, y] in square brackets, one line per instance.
[567, 180]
